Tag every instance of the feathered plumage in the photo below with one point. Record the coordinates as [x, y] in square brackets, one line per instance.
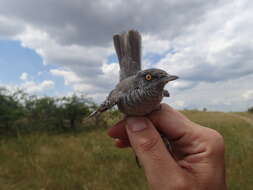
[139, 92]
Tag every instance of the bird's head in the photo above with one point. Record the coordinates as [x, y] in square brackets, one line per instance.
[153, 78]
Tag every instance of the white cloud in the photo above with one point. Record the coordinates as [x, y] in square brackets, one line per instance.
[85, 84]
[10, 88]
[215, 49]
[182, 84]
[230, 95]
[111, 71]
[33, 87]
[24, 76]
[91, 23]
[154, 44]
[248, 95]
[69, 76]
[9, 27]
[80, 63]
[179, 103]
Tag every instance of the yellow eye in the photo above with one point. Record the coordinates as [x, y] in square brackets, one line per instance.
[148, 77]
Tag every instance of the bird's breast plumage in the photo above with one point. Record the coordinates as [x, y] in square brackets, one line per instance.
[139, 102]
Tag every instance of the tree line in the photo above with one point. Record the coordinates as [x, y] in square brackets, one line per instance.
[250, 109]
[24, 113]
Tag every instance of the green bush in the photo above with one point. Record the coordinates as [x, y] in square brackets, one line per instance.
[21, 113]
[250, 109]
[11, 110]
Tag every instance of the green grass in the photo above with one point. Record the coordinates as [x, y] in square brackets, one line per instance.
[247, 116]
[89, 160]
[238, 136]
[84, 161]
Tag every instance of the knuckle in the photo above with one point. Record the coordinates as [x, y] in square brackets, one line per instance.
[149, 144]
[151, 149]
[215, 141]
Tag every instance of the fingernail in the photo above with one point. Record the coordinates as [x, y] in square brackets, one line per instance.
[136, 124]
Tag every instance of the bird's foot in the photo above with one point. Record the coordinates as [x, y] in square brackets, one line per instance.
[166, 93]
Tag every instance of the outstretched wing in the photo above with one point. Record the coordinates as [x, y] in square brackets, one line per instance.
[128, 48]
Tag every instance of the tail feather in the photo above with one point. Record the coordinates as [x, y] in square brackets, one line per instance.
[128, 49]
[135, 44]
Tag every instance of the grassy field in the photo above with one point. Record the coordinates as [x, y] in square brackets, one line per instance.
[89, 160]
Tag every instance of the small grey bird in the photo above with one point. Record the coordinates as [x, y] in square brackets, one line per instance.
[139, 92]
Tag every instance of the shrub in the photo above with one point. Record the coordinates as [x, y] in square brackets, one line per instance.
[250, 109]
[21, 113]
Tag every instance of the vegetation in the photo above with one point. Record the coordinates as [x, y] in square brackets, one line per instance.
[250, 109]
[45, 144]
[21, 113]
[238, 135]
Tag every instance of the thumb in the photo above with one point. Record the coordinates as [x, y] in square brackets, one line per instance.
[151, 151]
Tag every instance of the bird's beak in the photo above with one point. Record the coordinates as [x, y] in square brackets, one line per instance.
[169, 78]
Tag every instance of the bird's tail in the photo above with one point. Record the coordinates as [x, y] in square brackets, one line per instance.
[128, 49]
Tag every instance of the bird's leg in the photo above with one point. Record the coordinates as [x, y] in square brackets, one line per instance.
[168, 144]
[166, 93]
[137, 161]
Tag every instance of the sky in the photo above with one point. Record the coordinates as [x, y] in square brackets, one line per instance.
[59, 47]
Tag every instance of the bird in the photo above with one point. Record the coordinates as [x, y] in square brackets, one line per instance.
[139, 92]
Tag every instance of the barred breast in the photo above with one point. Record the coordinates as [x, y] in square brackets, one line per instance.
[140, 102]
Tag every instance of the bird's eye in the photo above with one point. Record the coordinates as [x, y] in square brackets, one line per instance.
[148, 76]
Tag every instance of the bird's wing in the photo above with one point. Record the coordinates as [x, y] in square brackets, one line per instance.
[110, 101]
[128, 49]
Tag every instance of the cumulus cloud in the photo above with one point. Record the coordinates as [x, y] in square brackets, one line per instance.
[9, 27]
[83, 62]
[69, 76]
[227, 95]
[33, 87]
[216, 50]
[30, 86]
[155, 45]
[248, 94]
[207, 43]
[104, 81]
[24, 76]
[93, 22]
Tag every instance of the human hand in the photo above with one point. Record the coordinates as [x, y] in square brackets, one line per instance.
[198, 161]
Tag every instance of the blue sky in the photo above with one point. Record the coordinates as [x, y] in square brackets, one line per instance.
[15, 60]
[66, 47]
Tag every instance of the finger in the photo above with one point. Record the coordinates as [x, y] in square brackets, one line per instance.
[118, 130]
[121, 143]
[188, 137]
[151, 151]
[171, 122]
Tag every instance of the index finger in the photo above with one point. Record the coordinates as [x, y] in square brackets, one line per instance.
[171, 122]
